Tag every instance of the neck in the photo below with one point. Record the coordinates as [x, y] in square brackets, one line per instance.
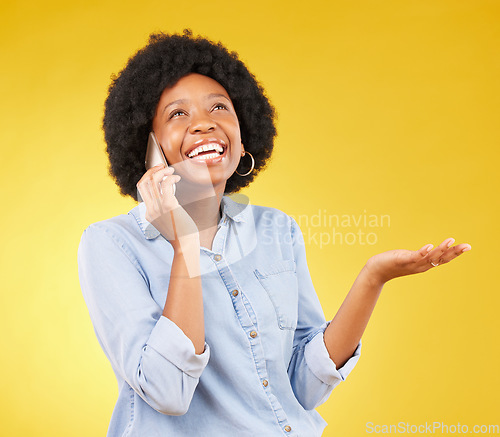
[203, 208]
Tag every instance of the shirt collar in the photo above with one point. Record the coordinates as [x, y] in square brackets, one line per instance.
[230, 210]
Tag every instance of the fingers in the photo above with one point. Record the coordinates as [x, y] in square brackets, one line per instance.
[154, 171]
[153, 187]
[155, 179]
[453, 252]
[445, 252]
[425, 250]
[141, 185]
[407, 262]
[167, 183]
[160, 196]
[435, 254]
[418, 255]
[150, 187]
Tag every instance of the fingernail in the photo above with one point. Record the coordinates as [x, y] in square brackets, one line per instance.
[429, 248]
[450, 242]
[465, 249]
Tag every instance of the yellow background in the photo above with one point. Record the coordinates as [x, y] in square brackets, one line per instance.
[388, 107]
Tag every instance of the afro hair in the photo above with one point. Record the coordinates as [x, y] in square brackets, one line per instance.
[134, 94]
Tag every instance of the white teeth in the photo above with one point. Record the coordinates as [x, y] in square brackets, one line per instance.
[209, 156]
[204, 148]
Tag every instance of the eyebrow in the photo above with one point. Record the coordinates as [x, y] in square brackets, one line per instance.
[175, 102]
[183, 101]
[217, 95]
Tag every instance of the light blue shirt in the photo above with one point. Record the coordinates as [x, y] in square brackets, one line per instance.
[265, 366]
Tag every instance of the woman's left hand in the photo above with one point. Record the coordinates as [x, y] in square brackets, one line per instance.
[394, 263]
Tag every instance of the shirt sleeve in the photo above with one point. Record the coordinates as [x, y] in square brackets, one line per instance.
[146, 349]
[313, 375]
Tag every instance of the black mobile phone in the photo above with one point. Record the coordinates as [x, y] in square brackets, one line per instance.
[155, 155]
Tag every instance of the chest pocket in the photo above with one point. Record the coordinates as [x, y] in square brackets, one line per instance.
[280, 282]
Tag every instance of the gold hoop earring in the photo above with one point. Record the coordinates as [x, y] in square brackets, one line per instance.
[253, 165]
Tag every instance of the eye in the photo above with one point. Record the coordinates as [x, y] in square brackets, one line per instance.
[220, 106]
[176, 113]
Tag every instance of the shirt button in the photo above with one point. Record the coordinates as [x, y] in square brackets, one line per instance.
[217, 257]
[265, 383]
[288, 428]
[235, 293]
[253, 334]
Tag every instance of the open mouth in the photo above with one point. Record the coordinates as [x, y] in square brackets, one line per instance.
[207, 150]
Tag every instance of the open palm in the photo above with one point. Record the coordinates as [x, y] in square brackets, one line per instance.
[400, 262]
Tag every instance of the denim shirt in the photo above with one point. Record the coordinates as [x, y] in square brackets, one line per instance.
[265, 366]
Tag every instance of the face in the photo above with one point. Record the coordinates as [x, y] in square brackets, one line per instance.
[196, 114]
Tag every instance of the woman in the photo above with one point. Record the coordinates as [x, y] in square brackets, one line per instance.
[203, 305]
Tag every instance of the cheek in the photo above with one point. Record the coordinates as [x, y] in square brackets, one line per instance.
[234, 128]
[171, 140]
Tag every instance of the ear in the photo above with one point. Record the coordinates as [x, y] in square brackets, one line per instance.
[242, 150]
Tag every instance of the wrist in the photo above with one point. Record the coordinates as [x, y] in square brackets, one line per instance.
[186, 245]
[372, 275]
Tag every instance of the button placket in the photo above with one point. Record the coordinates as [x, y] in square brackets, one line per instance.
[246, 316]
[233, 289]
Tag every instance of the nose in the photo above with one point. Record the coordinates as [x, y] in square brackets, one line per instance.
[201, 123]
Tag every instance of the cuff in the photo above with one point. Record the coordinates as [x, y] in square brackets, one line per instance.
[171, 343]
[320, 363]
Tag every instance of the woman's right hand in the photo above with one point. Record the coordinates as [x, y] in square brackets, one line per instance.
[163, 210]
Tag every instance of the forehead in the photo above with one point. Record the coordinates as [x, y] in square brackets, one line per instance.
[191, 87]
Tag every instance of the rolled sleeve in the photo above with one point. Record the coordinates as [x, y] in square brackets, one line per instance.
[147, 350]
[322, 366]
[179, 349]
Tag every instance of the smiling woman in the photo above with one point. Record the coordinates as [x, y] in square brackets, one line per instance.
[204, 306]
[134, 101]
[195, 122]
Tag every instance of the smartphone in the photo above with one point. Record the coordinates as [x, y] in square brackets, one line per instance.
[155, 155]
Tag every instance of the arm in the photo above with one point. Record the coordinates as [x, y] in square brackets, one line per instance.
[312, 373]
[184, 304]
[160, 353]
[348, 325]
[149, 351]
[345, 330]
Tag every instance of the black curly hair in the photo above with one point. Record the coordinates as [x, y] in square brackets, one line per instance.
[134, 94]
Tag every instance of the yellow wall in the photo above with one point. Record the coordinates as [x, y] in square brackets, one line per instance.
[385, 108]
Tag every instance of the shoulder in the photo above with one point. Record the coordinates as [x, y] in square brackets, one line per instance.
[273, 217]
[123, 230]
